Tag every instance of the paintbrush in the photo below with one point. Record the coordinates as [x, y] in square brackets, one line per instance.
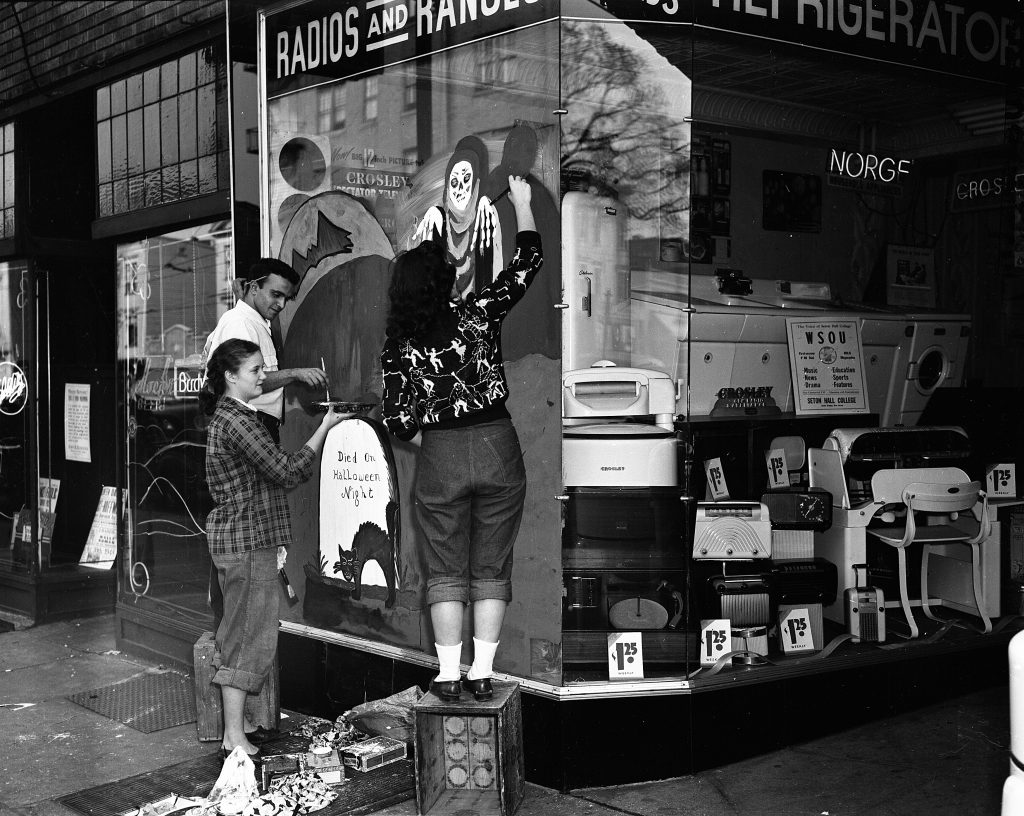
[327, 385]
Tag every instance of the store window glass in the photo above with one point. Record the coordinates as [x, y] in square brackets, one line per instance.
[172, 289]
[7, 189]
[17, 502]
[161, 135]
[625, 162]
[341, 203]
[625, 214]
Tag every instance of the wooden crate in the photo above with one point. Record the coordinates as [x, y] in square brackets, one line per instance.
[263, 709]
[469, 755]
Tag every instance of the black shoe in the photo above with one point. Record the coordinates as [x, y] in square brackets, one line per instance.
[481, 689]
[261, 735]
[447, 690]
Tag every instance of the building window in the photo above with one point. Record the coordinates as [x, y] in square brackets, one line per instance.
[371, 87]
[410, 89]
[7, 193]
[332, 108]
[161, 135]
[495, 64]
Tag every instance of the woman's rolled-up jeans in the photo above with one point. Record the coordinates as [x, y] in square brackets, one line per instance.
[470, 488]
[247, 635]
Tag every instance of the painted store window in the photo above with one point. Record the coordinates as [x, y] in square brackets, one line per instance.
[161, 135]
[172, 289]
[422, 141]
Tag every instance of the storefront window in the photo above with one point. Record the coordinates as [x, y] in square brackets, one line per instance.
[161, 135]
[7, 190]
[437, 135]
[17, 501]
[172, 289]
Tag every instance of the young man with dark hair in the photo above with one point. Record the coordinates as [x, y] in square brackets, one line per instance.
[265, 290]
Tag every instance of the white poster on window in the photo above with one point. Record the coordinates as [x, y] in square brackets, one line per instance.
[77, 397]
[826, 361]
[101, 545]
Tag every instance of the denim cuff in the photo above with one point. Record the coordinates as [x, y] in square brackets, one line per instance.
[488, 589]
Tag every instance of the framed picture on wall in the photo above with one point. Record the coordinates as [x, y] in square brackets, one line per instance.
[791, 201]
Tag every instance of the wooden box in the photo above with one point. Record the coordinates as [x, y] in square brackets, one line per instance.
[264, 709]
[469, 755]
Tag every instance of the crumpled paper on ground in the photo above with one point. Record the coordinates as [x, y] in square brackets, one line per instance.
[389, 717]
[236, 785]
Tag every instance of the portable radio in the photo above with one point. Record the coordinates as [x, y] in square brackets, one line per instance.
[865, 611]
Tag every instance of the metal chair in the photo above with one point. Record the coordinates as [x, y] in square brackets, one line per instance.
[923, 496]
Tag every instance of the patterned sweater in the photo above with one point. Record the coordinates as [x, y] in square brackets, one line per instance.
[454, 376]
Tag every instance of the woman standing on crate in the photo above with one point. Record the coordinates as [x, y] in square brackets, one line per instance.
[445, 390]
[249, 528]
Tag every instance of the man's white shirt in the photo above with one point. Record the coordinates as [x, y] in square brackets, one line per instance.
[242, 322]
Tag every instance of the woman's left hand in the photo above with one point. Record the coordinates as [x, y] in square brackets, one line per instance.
[282, 557]
[332, 418]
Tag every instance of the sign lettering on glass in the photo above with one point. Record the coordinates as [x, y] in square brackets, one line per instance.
[304, 44]
[13, 388]
[971, 39]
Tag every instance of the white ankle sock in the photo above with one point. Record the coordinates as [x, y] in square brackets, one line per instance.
[449, 659]
[483, 659]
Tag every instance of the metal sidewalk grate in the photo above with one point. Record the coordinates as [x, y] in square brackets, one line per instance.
[147, 703]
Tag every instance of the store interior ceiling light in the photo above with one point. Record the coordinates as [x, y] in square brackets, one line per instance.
[982, 118]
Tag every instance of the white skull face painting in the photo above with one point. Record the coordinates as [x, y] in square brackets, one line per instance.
[460, 185]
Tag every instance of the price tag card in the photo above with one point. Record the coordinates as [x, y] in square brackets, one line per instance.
[716, 479]
[778, 473]
[626, 656]
[1001, 481]
[715, 640]
[795, 631]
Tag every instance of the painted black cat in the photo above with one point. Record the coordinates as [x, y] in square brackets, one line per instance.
[371, 543]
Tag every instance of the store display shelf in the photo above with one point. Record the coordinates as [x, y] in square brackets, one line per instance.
[591, 683]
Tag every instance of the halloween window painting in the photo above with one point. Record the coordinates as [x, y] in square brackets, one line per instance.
[347, 194]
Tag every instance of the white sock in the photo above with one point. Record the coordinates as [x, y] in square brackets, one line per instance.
[449, 659]
[483, 659]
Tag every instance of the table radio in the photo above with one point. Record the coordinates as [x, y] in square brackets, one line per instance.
[732, 531]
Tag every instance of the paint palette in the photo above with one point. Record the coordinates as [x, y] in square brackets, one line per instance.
[346, 407]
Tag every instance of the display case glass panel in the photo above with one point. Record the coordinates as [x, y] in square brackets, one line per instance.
[172, 289]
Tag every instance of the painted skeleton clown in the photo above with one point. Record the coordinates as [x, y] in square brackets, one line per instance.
[466, 222]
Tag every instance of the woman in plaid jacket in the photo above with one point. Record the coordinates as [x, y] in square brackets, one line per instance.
[249, 529]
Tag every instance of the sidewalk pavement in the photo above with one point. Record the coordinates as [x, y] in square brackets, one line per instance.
[949, 758]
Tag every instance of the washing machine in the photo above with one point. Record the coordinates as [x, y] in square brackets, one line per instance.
[724, 336]
[912, 353]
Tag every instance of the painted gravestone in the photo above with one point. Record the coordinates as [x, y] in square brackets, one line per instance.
[359, 509]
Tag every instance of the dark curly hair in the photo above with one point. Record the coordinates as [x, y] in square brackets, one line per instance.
[421, 284]
[228, 356]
